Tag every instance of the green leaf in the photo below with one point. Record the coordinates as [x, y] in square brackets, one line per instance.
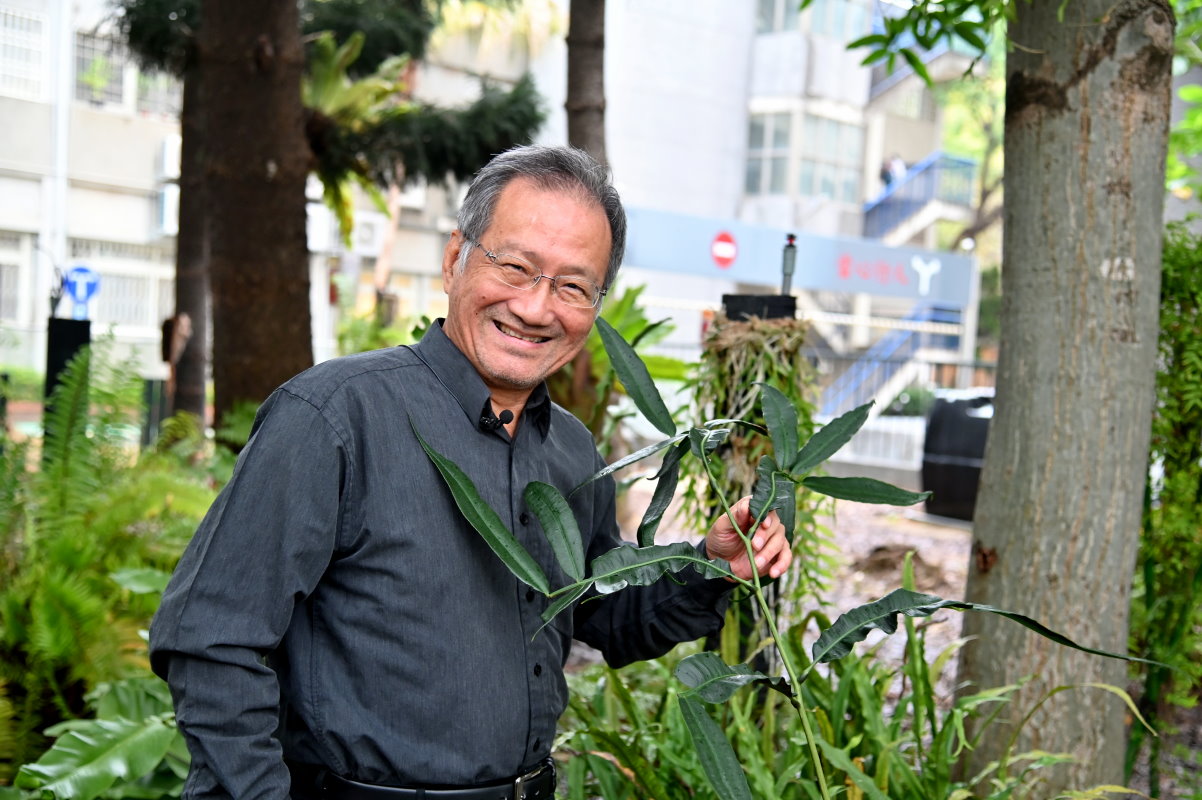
[146, 580]
[665, 489]
[642, 566]
[863, 490]
[715, 681]
[559, 526]
[827, 440]
[837, 640]
[776, 490]
[485, 520]
[563, 601]
[704, 441]
[781, 417]
[920, 69]
[970, 33]
[625, 461]
[84, 763]
[714, 751]
[865, 41]
[841, 760]
[634, 376]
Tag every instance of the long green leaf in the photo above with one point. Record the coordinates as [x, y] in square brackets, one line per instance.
[863, 490]
[715, 681]
[634, 376]
[83, 763]
[661, 498]
[842, 760]
[853, 626]
[559, 526]
[563, 601]
[827, 440]
[781, 416]
[636, 456]
[642, 566]
[776, 490]
[485, 520]
[715, 753]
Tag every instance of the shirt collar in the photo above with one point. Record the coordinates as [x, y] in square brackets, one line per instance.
[457, 374]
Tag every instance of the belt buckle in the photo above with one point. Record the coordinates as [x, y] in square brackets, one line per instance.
[519, 783]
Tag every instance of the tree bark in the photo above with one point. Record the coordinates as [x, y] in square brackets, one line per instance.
[1057, 520]
[191, 252]
[585, 103]
[258, 159]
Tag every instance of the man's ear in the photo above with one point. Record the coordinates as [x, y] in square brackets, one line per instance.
[450, 258]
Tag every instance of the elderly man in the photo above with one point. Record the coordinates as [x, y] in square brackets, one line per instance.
[336, 628]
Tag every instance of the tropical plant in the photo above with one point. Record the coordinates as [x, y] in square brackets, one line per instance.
[707, 678]
[1166, 607]
[82, 533]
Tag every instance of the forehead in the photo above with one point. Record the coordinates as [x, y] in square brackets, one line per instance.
[530, 218]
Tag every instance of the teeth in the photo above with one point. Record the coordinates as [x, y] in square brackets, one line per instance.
[516, 335]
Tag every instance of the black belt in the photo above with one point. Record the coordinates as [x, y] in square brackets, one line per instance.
[538, 784]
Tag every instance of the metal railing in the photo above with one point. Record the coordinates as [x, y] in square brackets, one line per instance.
[867, 377]
[937, 177]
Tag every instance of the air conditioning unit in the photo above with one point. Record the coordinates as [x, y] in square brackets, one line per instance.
[169, 158]
[368, 235]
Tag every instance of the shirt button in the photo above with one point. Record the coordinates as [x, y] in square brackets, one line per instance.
[538, 670]
[524, 518]
[530, 595]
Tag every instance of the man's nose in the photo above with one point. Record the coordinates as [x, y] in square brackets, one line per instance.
[536, 305]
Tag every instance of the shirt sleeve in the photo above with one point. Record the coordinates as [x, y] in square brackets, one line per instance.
[642, 622]
[259, 551]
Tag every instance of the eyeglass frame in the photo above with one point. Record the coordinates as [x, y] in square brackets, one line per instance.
[493, 256]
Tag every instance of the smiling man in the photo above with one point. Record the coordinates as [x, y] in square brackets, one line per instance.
[336, 629]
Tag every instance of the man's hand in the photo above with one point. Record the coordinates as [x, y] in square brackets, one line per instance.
[772, 552]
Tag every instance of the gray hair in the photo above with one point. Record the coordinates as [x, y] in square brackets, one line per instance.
[562, 168]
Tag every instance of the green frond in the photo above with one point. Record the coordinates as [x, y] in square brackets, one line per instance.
[60, 610]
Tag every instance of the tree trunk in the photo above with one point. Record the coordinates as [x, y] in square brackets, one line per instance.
[585, 102]
[191, 252]
[1057, 521]
[257, 162]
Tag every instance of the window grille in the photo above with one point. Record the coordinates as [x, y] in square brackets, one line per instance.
[123, 300]
[23, 40]
[99, 70]
[159, 93]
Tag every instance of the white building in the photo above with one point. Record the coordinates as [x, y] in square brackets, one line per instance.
[723, 117]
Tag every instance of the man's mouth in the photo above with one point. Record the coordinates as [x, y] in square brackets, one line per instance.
[514, 334]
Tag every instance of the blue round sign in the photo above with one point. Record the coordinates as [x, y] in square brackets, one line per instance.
[81, 283]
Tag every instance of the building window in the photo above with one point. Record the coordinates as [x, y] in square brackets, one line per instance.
[22, 42]
[99, 70]
[844, 20]
[767, 154]
[833, 160]
[123, 300]
[777, 15]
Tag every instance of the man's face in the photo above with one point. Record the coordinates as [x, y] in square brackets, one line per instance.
[517, 337]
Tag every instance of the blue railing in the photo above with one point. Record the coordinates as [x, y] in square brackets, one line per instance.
[864, 379]
[937, 177]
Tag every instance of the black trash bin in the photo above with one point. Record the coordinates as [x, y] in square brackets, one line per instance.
[954, 449]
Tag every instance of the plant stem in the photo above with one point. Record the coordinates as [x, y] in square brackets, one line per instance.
[770, 617]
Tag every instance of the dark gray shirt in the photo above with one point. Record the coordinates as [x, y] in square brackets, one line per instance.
[335, 608]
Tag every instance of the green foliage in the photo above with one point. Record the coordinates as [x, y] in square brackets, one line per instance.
[707, 678]
[82, 529]
[587, 386]
[388, 27]
[129, 748]
[1166, 609]
[23, 383]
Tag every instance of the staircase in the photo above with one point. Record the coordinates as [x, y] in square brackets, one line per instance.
[885, 369]
[937, 188]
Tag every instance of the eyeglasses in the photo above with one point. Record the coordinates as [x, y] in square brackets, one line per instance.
[521, 274]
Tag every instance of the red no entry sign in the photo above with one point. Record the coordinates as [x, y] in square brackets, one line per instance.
[724, 250]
